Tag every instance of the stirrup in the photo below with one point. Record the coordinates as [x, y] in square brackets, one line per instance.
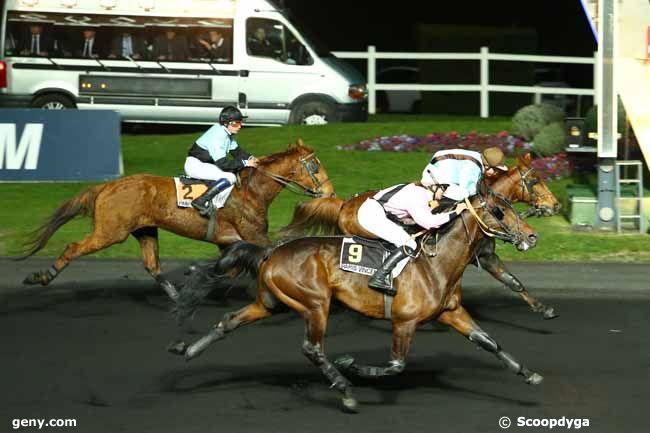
[203, 209]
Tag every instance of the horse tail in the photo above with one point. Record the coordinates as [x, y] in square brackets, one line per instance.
[237, 268]
[81, 204]
[317, 216]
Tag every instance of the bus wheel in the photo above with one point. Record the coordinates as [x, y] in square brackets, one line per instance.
[313, 113]
[53, 101]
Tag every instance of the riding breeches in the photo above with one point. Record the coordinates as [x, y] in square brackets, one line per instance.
[372, 217]
[204, 170]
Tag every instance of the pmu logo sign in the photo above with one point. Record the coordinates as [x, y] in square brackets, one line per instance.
[24, 155]
[59, 145]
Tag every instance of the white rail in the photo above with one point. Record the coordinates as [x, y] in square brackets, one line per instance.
[484, 87]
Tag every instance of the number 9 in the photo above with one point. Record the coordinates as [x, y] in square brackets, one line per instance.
[355, 251]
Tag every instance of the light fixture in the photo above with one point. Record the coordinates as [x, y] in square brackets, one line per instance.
[29, 3]
[68, 3]
[108, 4]
[147, 5]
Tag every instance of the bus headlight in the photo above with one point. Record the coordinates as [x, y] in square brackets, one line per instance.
[358, 92]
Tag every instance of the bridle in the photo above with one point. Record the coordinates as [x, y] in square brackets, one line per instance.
[505, 234]
[308, 163]
[528, 187]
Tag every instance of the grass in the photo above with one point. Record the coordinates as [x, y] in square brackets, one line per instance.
[162, 150]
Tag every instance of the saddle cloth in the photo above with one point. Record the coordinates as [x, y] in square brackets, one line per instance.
[364, 256]
[187, 189]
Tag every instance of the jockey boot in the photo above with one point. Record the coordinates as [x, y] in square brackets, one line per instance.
[203, 203]
[383, 278]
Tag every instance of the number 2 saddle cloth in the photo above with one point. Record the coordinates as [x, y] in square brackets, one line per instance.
[189, 188]
[364, 256]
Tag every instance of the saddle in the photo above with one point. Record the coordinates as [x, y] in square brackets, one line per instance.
[364, 256]
[189, 188]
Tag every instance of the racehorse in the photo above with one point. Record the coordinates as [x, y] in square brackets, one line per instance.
[304, 275]
[335, 215]
[137, 205]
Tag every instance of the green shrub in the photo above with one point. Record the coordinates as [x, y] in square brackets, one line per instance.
[529, 120]
[552, 113]
[550, 140]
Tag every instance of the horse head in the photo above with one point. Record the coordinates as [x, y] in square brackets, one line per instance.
[497, 218]
[533, 190]
[299, 169]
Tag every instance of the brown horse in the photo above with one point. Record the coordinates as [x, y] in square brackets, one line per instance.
[304, 275]
[335, 215]
[137, 205]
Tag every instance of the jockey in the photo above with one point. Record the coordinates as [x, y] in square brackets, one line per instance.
[216, 156]
[460, 170]
[381, 213]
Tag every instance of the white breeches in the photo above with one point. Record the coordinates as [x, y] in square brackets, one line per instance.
[204, 170]
[371, 216]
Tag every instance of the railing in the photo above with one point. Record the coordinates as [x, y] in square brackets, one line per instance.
[484, 87]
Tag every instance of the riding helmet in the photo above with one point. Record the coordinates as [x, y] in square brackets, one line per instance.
[229, 114]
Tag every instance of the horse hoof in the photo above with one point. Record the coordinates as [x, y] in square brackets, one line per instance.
[36, 278]
[549, 313]
[534, 379]
[344, 362]
[350, 405]
[177, 348]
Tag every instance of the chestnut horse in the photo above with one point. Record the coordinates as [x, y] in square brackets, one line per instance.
[335, 215]
[137, 205]
[304, 275]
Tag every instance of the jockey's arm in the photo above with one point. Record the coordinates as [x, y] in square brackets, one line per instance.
[421, 214]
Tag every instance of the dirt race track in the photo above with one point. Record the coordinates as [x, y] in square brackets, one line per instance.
[92, 348]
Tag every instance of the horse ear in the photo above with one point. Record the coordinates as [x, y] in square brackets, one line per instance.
[525, 160]
[300, 142]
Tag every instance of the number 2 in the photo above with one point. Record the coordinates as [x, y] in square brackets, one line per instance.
[355, 252]
[188, 194]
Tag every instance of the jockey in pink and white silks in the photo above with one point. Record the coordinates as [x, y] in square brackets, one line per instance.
[460, 170]
[379, 215]
[217, 156]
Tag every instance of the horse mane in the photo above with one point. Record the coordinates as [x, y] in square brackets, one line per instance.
[247, 173]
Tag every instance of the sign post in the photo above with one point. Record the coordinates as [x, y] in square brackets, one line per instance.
[59, 145]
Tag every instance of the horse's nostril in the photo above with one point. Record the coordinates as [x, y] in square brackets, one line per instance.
[532, 238]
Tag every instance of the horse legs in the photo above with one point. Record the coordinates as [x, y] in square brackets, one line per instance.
[230, 321]
[148, 239]
[493, 264]
[313, 349]
[461, 321]
[402, 336]
[97, 240]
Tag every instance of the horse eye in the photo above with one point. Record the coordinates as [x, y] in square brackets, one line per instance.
[498, 213]
[313, 167]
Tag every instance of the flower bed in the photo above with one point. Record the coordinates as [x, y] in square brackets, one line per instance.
[553, 167]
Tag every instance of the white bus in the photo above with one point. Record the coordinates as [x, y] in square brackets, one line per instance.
[172, 61]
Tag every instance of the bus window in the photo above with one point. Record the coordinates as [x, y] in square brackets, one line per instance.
[270, 38]
[212, 44]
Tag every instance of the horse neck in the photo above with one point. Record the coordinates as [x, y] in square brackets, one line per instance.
[263, 187]
[507, 186]
[457, 246]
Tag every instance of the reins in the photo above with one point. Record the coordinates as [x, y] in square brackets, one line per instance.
[298, 187]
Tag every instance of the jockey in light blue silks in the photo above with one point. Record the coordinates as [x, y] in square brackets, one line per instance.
[460, 170]
[217, 156]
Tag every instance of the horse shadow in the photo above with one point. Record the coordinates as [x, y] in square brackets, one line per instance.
[426, 375]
